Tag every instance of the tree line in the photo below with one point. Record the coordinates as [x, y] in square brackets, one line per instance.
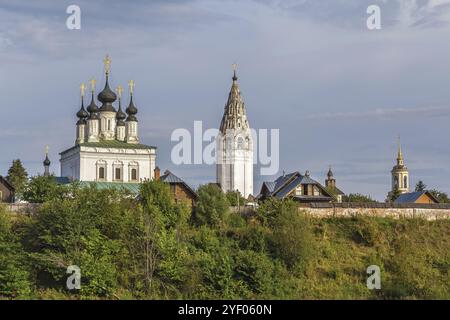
[149, 247]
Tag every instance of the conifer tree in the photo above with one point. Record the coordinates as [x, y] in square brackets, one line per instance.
[17, 175]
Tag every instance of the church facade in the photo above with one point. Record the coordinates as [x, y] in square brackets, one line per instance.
[107, 146]
[234, 151]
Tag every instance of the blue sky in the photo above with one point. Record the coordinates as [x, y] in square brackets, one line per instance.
[339, 93]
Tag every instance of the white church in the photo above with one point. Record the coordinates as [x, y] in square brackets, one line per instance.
[107, 147]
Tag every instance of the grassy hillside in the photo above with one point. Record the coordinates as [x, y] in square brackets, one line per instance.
[155, 249]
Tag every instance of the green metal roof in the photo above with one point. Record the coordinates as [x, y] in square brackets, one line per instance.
[111, 144]
[116, 144]
[132, 187]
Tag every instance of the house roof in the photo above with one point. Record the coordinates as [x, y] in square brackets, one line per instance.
[270, 185]
[284, 185]
[170, 178]
[112, 144]
[131, 187]
[7, 184]
[412, 197]
[335, 191]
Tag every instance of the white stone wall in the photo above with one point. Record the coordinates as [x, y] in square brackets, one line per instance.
[81, 163]
[395, 213]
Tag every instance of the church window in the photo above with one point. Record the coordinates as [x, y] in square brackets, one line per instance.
[101, 173]
[109, 124]
[118, 174]
[240, 143]
[134, 174]
[133, 171]
[405, 182]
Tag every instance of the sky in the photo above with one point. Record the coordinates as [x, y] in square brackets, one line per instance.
[340, 94]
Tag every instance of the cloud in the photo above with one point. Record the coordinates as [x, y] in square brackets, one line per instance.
[438, 111]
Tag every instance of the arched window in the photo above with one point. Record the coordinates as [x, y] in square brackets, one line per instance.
[396, 182]
[118, 174]
[133, 171]
[101, 173]
[240, 143]
[405, 182]
[118, 170]
[101, 170]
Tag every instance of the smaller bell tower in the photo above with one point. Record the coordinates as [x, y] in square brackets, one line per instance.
[400, 174]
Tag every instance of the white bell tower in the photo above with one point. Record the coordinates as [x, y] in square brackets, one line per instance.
[235, 146]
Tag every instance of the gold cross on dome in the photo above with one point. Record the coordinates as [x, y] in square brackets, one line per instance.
[93, 82]
[234, 66]
[46, 150]
[131, 85]
[119, 90]
[107, 63]
[82, 89]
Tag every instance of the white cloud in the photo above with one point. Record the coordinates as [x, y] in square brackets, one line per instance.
[438, 111]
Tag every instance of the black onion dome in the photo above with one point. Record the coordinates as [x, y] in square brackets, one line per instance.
[46, 161]
[120, 116]
[107, 97]
[131, 111]
[92, 108]
[82, 114]
[330, 173]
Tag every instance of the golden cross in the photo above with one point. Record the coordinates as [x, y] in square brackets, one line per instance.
[46, 150]
[234, 66]
[93, 82]
[82, 88]
[119, 90]
[131, 86]
[107, 63]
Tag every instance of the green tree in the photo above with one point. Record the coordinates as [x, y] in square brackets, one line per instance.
[235, 198]
[212, 205]
[394, 195]
[17, 175]
[292, 238]
[357, 197]
[163, 251]
[40, 189]
[420, 186]
[90, 229]
[14, 270]
[440, 195]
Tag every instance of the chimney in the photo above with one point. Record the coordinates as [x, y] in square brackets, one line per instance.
[157, 173]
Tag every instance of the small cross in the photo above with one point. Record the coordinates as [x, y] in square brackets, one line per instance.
[82, 88]
[119, 90]
[131, 85]
[107, 63]
[93, 82]
[46, 150]
[234, 66]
